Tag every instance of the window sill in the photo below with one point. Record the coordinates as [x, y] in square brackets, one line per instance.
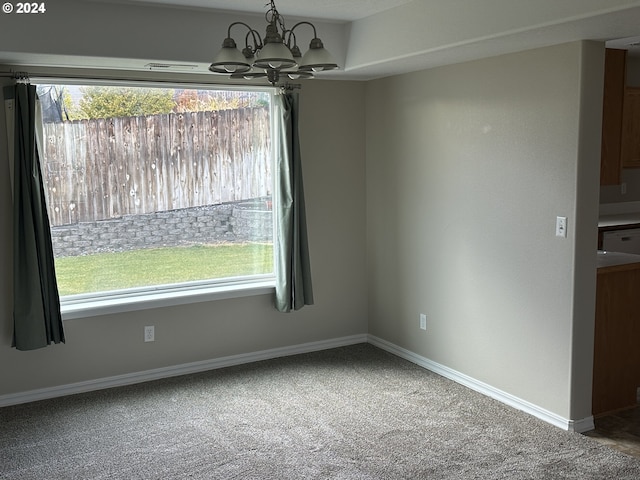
[79, 306]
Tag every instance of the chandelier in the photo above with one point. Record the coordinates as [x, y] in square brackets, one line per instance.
[277, 56]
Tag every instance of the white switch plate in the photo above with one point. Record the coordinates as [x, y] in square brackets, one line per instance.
[561, 227]
[423, 321]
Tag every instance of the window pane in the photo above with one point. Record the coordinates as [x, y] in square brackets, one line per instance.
[156, 186]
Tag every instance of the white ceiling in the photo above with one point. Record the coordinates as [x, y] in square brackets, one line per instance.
[414, 34]
[368, 38]
[337, 10]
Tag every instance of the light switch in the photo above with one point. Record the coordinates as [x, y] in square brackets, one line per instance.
[561, 227]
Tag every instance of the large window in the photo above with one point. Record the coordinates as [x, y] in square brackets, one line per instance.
[156, 189]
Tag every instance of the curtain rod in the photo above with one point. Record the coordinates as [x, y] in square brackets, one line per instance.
[14, 74]
[25, 75]
[87, 77]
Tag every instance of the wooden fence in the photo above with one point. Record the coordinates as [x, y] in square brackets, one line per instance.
[106, 168]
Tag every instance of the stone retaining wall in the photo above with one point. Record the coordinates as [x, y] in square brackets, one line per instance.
[231, 222]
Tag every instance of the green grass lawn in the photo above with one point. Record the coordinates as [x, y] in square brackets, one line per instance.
[157, 266]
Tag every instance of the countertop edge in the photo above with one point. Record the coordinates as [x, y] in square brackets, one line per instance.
[618, 268]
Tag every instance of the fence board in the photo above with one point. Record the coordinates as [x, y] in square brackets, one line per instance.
[106, 168]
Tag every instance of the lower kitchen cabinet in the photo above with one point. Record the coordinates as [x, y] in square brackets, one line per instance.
[616, 366]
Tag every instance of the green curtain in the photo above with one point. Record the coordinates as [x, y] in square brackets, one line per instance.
[293, 269]
[37, 321]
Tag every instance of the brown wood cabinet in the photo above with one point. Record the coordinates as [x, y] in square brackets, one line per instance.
[616, 362]
[612, 112]
[630, 148]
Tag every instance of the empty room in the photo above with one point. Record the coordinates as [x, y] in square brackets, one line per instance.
[357, 239]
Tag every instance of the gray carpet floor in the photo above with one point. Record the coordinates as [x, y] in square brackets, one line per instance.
[348, 413]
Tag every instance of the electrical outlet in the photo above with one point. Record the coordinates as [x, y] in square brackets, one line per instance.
[423, 321]
[149, 334]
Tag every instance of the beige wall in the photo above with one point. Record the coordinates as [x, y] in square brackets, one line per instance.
[467, 168]
[111, 345]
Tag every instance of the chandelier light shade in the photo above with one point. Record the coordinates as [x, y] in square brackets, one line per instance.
[275, 57]
[317, 58]
[229, 59]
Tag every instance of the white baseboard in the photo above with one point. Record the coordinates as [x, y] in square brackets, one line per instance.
[176, 370]
[578, 426]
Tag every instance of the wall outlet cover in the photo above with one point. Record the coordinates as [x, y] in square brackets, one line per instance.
[149, 334]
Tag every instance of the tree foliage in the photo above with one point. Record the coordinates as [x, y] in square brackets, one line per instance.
[89, 102]
[106, 102]
[213, 100]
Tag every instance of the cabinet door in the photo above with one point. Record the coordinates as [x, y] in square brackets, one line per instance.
[630, 150]
[613, 96]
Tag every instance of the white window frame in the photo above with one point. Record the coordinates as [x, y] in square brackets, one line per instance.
[158, 296]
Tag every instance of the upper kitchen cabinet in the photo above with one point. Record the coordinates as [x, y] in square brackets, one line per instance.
[630, 148]
[612, 113]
